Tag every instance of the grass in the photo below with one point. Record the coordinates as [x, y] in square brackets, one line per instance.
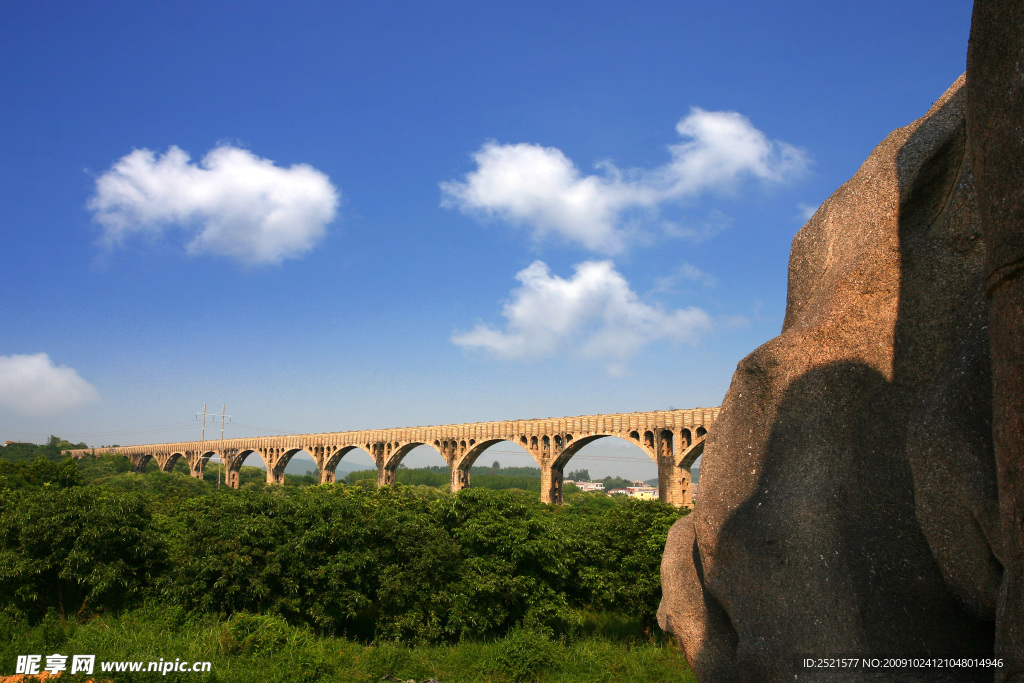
[261, 647]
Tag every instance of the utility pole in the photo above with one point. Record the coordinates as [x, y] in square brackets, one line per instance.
[223, 418]
[203, 437]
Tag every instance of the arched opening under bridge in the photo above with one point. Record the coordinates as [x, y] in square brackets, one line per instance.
[171, 462]
[298, 462]
[144, 463]
[420, 464]
[293, 461]
[235, 476]
[345, 464]
[609, 463]
[499, 464]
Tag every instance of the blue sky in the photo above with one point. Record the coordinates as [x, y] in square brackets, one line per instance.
[335, 216]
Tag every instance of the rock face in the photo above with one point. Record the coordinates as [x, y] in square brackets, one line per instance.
[995, 129]
[849, 500]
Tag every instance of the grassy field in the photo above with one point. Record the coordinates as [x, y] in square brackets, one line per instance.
[249, 647]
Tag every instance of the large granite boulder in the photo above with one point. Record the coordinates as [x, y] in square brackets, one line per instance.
[995, 130]
[849, 501]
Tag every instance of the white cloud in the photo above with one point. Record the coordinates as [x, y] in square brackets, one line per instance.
[232, 203]
[542, 188]
[32, 385]
[594, 313]
[722, 147]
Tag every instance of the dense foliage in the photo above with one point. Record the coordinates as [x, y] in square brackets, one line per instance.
[412, 564]
[76, 548]
[51, 450]
[497, 479]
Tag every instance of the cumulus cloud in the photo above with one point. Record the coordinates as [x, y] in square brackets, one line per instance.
[722, 147]
[541, 187]
[594, 313]
[32, 385]
[232, 203]
[527, 184]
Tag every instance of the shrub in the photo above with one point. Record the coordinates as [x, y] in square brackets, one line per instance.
[524, 653]
[254, 634]
[75, 549]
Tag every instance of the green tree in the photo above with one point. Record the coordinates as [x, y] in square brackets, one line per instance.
[515, 564]
[40, 472]
[611, 483]
[617, 559]
[75, 549]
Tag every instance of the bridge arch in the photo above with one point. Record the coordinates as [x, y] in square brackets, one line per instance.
[233, 465]
[167, 461]
[463, 465]
[577, 445]
[205, 457]
[331, 457]
[553, 467]
[198, 459]
[140, 461]
[276, 459]
[517, 454]
[387, 472]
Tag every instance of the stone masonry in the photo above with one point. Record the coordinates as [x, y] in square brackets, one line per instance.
[672, 438]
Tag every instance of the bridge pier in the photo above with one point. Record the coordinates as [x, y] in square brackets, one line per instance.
[387, 474]
[683, 490]
[673, 480]
[674, 484]
[551, 476]
[325, 476]
[459, 479]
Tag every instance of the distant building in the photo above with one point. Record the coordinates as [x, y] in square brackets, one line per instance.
[587, 485]
[618, 492]
[643, 492]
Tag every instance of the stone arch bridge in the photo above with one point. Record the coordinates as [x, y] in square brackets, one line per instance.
[673, 439]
